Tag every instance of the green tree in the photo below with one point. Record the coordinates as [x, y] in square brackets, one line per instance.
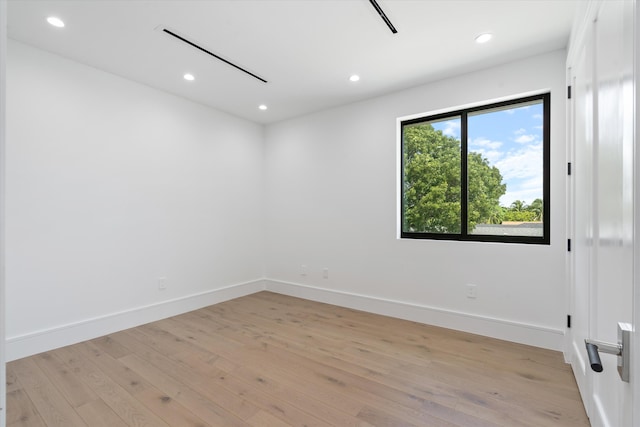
[537, 208]
[519, 216]
[518, 206]
[485, 189]
[498, 216]
[432, 188]
[519, 211]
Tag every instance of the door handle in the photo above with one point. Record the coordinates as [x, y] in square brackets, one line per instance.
[595, 347]
[622, 349]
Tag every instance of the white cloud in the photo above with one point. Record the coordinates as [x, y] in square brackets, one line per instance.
[484, 142]
[525, 139]
[537, 116]
[493, 156]
[526, 195]
[487, 148]
[520, 131]
[452, 129]
[526, 190]
[524, 164]
[511, 111]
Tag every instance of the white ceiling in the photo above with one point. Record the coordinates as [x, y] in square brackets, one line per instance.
[306, 49]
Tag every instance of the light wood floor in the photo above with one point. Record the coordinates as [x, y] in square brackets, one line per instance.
[272, 360]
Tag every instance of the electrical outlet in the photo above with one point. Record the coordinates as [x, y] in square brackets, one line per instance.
[472, 291]
[162, 283]
[325, 272]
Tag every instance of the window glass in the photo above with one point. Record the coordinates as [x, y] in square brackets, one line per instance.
[478, 174]
[432, 161]
[506, 171]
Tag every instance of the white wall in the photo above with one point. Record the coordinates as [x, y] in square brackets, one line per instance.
[331, 202]
[111, 185]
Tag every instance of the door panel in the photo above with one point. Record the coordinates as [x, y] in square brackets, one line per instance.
[3, 50]
[603, 204]
[582, 190]
[614, 222]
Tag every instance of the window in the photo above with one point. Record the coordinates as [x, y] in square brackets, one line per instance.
[480, 173]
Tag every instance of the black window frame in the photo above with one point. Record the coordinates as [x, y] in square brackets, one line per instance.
[464, 235]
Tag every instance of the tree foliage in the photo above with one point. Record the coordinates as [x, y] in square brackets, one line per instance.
[519, 211]
[432, 188]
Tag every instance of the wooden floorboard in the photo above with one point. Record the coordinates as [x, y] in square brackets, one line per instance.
[272, 360]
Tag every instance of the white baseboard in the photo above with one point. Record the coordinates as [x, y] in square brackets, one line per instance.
[523, 333]
[47, 339]
[59, 336]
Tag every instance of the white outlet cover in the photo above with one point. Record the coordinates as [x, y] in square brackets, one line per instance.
[472, 291]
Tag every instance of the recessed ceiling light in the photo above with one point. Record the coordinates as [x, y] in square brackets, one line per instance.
[56, 22]
[354, 78]
[262, 107]
[189, 77]
[483, 38]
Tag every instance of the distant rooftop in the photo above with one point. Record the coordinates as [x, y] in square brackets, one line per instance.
[533, 229]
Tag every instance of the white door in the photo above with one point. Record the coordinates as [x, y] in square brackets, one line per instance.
[581, 227]
[3, 49]
[603, 202]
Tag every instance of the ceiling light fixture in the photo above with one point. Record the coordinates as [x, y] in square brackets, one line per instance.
[262, 107]
[56, 22]
[189, 77]
[483, 38]
[200, 48]
[354, 78]
[383, 15]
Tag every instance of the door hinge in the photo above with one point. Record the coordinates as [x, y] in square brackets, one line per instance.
[569, 321]
[569, 168]
[568, 245]
[569, 92]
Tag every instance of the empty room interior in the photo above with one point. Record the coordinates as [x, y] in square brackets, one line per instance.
[319, 213]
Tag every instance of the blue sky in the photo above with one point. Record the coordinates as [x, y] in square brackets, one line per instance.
[511, 140]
